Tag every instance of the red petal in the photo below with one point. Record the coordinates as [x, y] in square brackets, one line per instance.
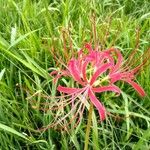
[107, 88]
[99, 71]
[115, 77]
[119, 61]
[106, 56]
[98, 105]
[75, 72]
[119, 58]
[84, 70]
[137, 87]
[67, 90]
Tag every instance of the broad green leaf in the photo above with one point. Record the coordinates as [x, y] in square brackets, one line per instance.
[22, 37]
[13, 131]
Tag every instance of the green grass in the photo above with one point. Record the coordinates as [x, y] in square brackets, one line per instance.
[28, 32]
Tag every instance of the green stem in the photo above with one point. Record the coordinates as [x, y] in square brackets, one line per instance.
[88, 127]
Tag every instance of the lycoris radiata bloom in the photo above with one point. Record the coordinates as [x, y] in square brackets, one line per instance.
[92, 71]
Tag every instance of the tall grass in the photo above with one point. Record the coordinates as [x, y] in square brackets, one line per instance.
[29, 30]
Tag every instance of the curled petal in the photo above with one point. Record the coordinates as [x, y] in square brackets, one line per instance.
[119, 61]
[119, 58]
[94, 55]
[114, 77]
[75, 71]
[112, 88]
[137, 87]
[99, 71]
[98, 105]
[106, 56]
[84, 70]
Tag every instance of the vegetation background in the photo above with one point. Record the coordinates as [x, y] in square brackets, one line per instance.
[29, 30]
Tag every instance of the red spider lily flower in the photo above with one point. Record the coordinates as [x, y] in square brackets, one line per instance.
[93, 72]
[89, 71]
[122, 71]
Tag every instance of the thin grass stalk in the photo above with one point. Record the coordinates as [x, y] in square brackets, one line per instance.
[88, 127]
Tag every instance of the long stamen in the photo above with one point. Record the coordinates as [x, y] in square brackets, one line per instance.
[136, 69]
[56, 121]
[82, 107]
[59, 121]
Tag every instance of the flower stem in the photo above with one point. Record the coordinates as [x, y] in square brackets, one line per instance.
[88, 127]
